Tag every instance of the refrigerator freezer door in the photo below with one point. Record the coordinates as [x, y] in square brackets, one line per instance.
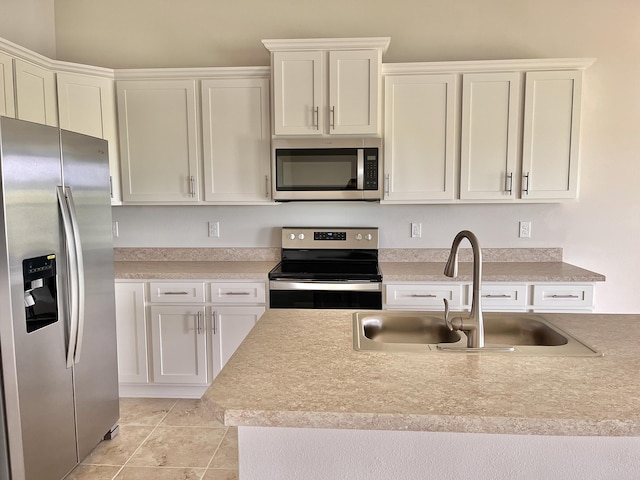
[86, 176]
[37, 383]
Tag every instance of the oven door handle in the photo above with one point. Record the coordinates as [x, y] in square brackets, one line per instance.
[342, 285]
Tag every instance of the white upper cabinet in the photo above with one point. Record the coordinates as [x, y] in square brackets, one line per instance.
[7, 99]
[298, 93]
[326, 86]
[519, 131]
[354, 86]
[86, 104]
[419, 132]
[236, 138]
[158, 122]
[35, 88]
[551, 135]
[489, 135]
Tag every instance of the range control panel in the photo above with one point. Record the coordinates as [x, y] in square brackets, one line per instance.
[338, 237]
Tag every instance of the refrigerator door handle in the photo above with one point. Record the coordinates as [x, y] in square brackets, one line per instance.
[80, 273]
[73, 275]
[76, 274]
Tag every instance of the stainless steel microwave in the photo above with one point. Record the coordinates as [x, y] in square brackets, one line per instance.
[327, 169]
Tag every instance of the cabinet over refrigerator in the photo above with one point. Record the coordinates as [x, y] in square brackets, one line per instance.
[57, 310]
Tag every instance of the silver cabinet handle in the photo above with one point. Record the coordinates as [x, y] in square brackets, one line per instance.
[387, 181]
[214, 321]
[332, 113]
[192, 186]
[496, 296]
[174, 293]
[525, 190]
[266, 186]
[199, 323]
[236, 293]
[316, 118]
[423, 295]
[564, 296]
[509, 183]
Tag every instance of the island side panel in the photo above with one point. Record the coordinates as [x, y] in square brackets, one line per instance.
[275, 453]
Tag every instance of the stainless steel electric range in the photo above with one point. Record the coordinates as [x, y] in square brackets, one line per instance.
[327, 268]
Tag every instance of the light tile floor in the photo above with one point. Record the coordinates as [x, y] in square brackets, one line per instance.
[164, 439]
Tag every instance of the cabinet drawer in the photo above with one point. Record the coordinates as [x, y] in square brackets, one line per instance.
[178, 292]
[497, 297]
[421, 296]
[563, 297]
[240, 292]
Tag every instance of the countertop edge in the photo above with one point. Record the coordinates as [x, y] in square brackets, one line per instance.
[424, 423]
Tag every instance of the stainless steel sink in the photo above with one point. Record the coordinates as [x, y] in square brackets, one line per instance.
[426, 332]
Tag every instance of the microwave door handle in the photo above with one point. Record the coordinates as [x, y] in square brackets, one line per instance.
[360, 169]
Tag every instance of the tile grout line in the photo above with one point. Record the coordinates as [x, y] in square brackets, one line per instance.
[226, 429]
[145, 439]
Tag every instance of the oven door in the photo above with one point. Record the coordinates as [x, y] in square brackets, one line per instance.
[312, 294]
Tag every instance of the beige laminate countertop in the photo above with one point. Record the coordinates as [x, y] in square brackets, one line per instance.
[491, 272]
[391, 271]
[297, 368]
[192, 270]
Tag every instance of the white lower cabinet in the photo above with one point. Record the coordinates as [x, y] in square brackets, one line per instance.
[174, 337]
[565, 297]
[423, 296]
[179, 344]
[496, 296]
[229, 328]
[503, 297]
[131, 333]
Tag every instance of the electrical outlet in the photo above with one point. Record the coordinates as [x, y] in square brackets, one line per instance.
[525, 229]
[214, 229]
[115, 230]
[416, 230]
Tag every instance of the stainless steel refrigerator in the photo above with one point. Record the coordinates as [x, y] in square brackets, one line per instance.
[57, 307]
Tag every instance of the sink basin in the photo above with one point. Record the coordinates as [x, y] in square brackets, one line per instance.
[426, 332]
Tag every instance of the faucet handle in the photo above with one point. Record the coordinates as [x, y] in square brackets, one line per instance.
[446, 314]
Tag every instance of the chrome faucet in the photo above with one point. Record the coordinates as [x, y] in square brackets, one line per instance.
[473, 326]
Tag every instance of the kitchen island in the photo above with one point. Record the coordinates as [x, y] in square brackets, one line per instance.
[308, 406]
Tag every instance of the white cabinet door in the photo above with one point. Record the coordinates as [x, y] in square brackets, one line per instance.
[35, 93]
[354, 78]
[423, 296]
[7, 100]
[566, 297]
[419, 151]
[132, 334]
[158, 124]
[179, 352]
[504, 297]
[176, 292]
[238, 292]
[302, 105]
[87, 105]
[298, 100]
[551, 131]
[236, 140]
[489, 136]
[230, 327]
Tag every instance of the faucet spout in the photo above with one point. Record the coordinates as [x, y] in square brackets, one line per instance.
[474, 325]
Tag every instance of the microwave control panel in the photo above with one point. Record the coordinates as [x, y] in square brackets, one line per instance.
[370, 168]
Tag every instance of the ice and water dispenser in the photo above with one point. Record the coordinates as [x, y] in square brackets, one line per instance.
[40, 298]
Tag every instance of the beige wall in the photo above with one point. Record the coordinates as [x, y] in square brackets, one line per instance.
[29, 23]
[600, 231]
